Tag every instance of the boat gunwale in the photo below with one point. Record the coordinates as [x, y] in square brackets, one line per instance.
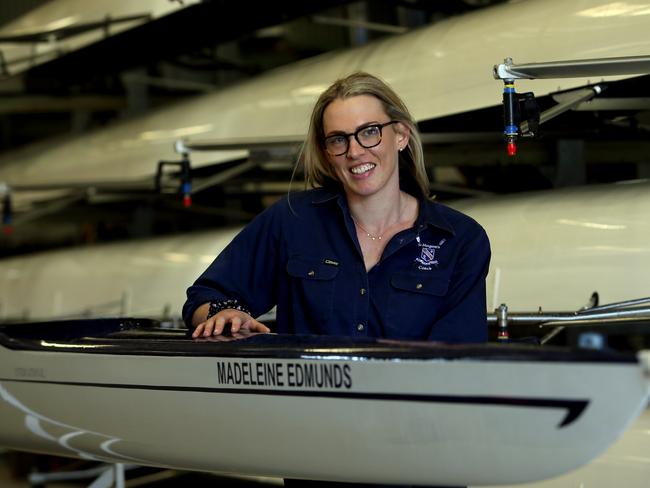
[144, 337]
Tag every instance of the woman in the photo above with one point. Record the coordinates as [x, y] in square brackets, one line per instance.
[362, 253]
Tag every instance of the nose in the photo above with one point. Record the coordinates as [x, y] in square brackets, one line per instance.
[354, 148]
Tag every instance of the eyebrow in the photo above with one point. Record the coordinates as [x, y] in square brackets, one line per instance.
[362, 126]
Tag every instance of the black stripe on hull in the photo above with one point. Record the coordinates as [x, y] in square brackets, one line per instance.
[574, 407]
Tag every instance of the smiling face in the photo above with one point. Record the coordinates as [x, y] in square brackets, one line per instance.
[364, 171]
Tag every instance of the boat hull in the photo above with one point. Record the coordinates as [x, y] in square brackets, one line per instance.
[360, 412]
[626, 463]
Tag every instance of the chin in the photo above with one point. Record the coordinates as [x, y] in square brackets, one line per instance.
[363, 191]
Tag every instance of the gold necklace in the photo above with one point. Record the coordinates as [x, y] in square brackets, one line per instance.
[374, 238]
[378, 237]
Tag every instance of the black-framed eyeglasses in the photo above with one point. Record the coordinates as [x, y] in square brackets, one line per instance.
[367, 136]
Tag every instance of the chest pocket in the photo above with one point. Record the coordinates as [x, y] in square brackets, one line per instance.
[427, 285]
[313, 288]
[414, 303]
[311, 269]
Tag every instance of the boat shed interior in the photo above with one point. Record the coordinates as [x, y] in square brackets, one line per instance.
[127, 127]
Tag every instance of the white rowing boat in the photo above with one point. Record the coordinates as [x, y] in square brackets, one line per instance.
[313, 407]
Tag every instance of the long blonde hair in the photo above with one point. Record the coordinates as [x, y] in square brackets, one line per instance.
[317, 169]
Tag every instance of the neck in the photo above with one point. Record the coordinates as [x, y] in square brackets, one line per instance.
[376, 214]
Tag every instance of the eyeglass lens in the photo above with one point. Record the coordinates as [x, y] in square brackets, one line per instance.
[369, 136]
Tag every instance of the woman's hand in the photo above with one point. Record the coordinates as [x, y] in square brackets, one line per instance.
[238, 320]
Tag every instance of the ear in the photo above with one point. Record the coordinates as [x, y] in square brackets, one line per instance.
[402, 133]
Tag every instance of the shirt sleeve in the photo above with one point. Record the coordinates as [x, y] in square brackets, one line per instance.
[464, 317]
[244, 271]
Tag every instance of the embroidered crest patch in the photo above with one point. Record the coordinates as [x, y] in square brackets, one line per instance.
[427, 257]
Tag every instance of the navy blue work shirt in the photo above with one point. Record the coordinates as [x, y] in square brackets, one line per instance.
[302, 254]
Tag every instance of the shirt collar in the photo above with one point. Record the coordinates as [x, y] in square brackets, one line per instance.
[323, 195]
[430, 215]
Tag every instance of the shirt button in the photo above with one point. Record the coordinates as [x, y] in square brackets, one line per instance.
[360, 327]
[362, 291]
[418, 286]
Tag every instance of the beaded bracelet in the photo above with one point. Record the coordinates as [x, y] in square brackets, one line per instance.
[216, 307]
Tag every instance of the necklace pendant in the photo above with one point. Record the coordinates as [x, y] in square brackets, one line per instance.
[370, 236]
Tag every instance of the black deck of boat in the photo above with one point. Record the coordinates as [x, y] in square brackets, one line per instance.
[147, 337]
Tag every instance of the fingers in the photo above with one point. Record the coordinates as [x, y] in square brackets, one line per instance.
[252, 325]
[256, 326]
[213, 325]
[198, 331]
[239, 321]
[235, 323]
[219, 325]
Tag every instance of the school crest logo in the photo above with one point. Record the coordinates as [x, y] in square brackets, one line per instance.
[427, 257]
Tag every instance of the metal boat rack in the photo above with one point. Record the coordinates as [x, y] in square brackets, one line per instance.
[508, 72]
[611, 313]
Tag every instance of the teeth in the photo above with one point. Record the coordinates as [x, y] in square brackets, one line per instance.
[363, 168]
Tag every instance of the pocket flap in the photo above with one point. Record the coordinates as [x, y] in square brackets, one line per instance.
[417, 283]
[311, 269]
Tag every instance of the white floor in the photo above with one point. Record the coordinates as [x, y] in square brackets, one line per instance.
[14, 469]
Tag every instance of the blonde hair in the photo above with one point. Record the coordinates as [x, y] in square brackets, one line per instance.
[318, 170]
